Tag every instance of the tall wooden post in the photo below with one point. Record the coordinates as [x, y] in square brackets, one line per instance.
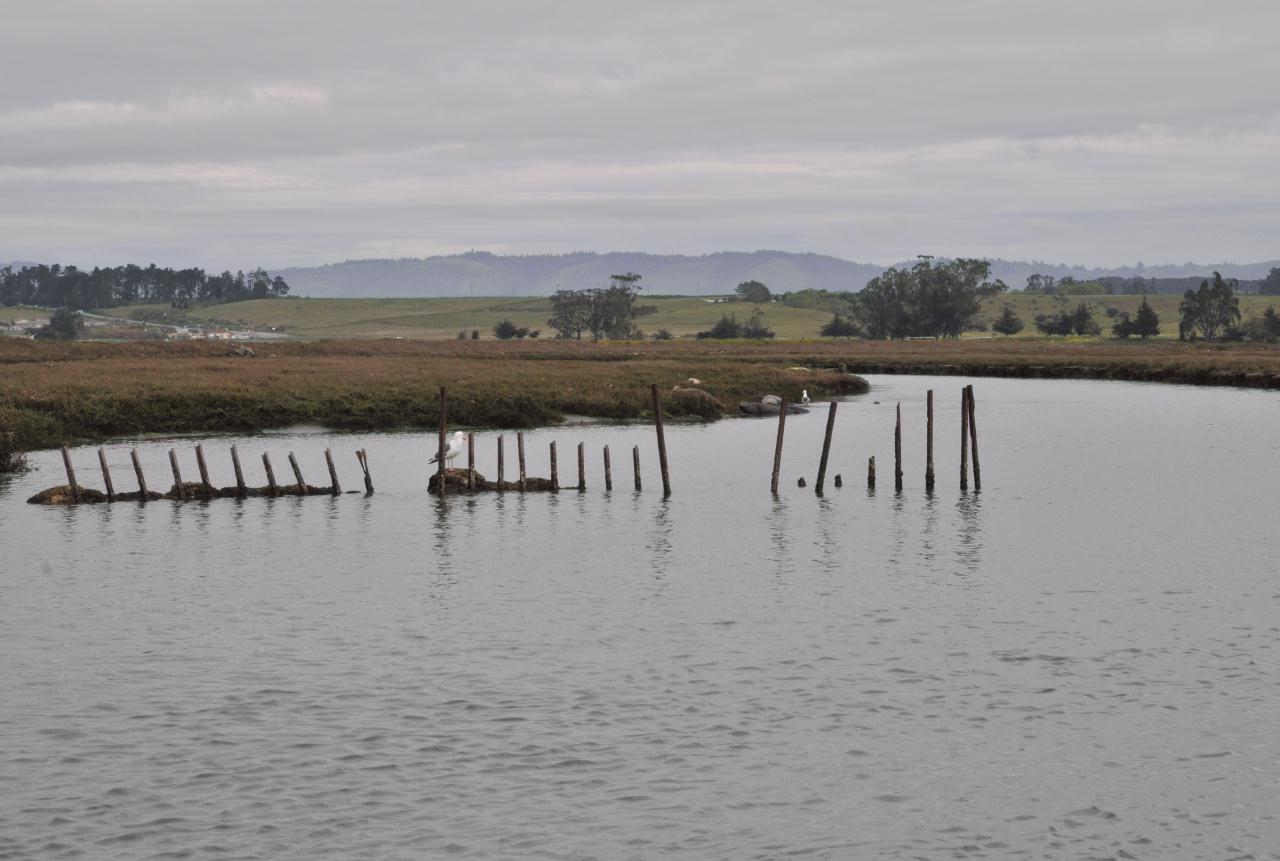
[241, 491]
[333, 473]
[444, 425]
[826, 449]
[582, 468]
[897, 451]
[204, 470]
[964, 440]
[106, 476]
[662, 441]
[973, 440]
[142, 479]
[520, 456]
[635, 464]
[928, 445]
[177, 475]
[608, 470]
[555, 474]
[297, 473]
[271, 475]
[777, 448]
[71, 475]
[500, 464]
[471, 463]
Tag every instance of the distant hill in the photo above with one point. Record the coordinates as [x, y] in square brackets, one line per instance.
[480, 273]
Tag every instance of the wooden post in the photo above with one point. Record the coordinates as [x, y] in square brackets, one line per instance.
[500, 463]
[106, 476]
[582, 468]
[444, 424]
[897, 451]
[363, 457]
[662, 441]
[928, 445]
[973, 440]
[235, 463]
[635, 464]
[333, 473]
[297, 473]
[471, 463]
[271, 475]
[142, 479]
[71, 475]
[826, 449]
[777, 448]
[177, 475]
[204, 470]
[964, 440]
[520, 456]
[871, 473]
[555, 475]
[608, 470]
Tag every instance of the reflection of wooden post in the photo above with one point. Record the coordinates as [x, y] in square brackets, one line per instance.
[235, 463]
[520, 456]
[897, 451]
[635, 464]
[333, 473]
[271, 475]
[973, 440]
[71, 475]
[662, 441]
[555, 475]
[106, 476]
[871, 473]
[297, 473]
[777, 447]
[471, 463]
[500, 464]
[444, 419]
[608, 470]
[204, 470]
[928, 445]
[177, 475]
[582, 468]
[142, 479]
[826, 449]
[964, 440]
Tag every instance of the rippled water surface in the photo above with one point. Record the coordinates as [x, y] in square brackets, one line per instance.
[1079, 662]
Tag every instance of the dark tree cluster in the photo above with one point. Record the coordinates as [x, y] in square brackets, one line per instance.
[1077, 322]
[506, 330]
[1210, 312]
[1145, 324]
[68, 287]
[606, 312]
[929, 300]
[729, 327]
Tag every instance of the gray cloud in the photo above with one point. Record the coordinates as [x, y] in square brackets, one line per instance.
[231, 134]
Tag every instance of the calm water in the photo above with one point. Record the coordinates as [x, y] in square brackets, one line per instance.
[1081, 662]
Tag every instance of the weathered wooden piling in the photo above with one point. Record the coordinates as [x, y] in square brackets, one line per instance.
[204, 470]
[71, 474]
[471, 463]
[635, 464]
[334, 488]
[501, 464]
[662, 441]
[106, 475]
[241, 490]
[520, 456]
[271, 475]
[177, 475]
[928, 444]
[582, 468]
[297, 473]
[777, 448]
[363, 457]
[444, 429]
[871, 473]
[555, 474]
[608, 470]
[137, 470]
[839, 482]
[826, 449]
[964, 440]
[973, 439]
[897, 451]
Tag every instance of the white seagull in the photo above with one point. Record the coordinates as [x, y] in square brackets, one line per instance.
[457, 443]
[804, 396]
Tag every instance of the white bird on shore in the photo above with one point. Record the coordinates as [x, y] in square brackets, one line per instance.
[455, 447]
[804, 396]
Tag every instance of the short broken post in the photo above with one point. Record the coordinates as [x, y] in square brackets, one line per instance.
[177, 475]
[928, 445]
[964, 440]
[271, 475]
[897, 451]
[973, 440]
[106, 476]
[871, 473]
[471, 463]
[333, 473]
[142, 479]
[241, 490]
[555, 475]
[71, 475]
[635, 464]
[777, 447]
[826, 449]
[444, 423]
[297, 473]
[662, 441]
[204, 470]
[520, 456]
[582, 468]
[608, 470]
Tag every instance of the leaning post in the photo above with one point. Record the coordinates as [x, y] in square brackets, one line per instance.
[662, 441]
[333, 473]
[177, 475]
[271, 475]
[973, 440]
[297, 473]
[777, 448]
[826, 449]
[106, 476]
[142, 479]
[241, 490]
[71, 474]
[204, 470]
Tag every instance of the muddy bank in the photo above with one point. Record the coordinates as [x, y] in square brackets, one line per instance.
[1187, 375]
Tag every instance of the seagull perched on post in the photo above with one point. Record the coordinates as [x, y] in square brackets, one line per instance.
[457, 443]
[804, 396]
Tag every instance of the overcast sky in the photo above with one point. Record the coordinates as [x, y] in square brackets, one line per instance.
[230, 134]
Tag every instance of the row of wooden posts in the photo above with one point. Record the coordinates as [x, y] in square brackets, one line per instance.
[968, 446]
[207, 489]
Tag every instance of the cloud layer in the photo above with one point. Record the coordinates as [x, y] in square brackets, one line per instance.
[231, 134]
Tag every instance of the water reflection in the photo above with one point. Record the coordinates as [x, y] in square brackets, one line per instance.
[969, 547]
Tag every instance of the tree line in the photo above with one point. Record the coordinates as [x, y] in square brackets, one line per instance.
[55, 286]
